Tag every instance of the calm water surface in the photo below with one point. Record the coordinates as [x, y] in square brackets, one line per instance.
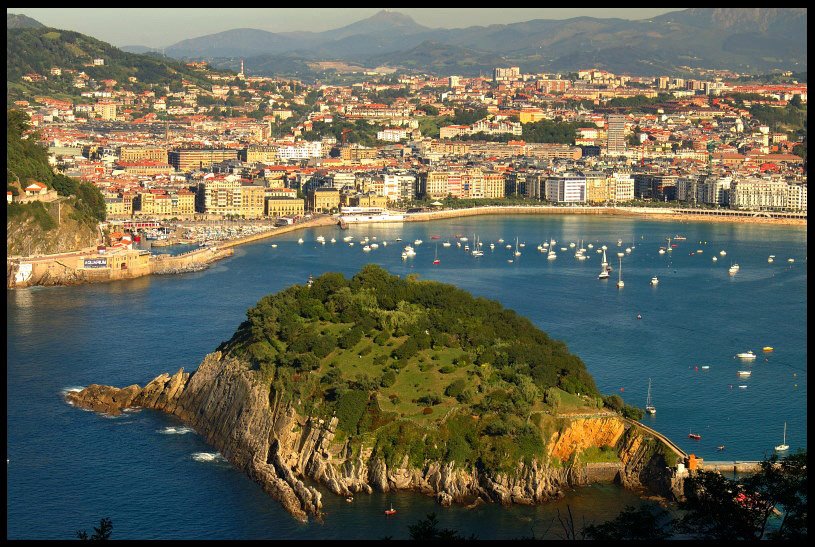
[68, 468]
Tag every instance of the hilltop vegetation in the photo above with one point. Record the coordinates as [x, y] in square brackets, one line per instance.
[417, 369]
[39, 49]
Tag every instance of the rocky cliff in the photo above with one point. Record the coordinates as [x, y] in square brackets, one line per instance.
[280, 449]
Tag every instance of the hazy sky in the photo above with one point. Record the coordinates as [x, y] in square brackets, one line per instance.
[157, 27]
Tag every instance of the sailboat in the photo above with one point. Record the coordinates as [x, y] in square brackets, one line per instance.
[620, 282]
[517, 252]
[783, 446]
[649, 406]
[603, 268]
[476, 248]
[551, 255]
[436, 260]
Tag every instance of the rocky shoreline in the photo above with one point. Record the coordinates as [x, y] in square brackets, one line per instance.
[280, 450]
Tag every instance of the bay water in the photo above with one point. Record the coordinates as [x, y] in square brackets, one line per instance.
[67, 468]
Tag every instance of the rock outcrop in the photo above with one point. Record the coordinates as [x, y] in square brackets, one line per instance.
[279, 449]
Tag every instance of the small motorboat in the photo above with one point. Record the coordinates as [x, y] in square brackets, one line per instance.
[720, 447]
[746, 355]
[694, 436]
[435, 237]
[274, 245]
[742, 387]
[654, 280]
[767, 349]
[705, 367]
[745, 373]
[390, 511]
[349, 499]
[300, 241]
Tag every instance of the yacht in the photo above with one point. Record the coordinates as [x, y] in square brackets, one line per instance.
[746, 355]
[733, 269]
[409, 251]
[603, 268]
[517, 252]
[745, 373]
[649, 405]
[620, 282]
[654, 280]
[783, 446]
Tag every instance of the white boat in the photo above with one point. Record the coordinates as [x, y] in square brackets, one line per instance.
[463, 239]
[274, 245]
[500, 241]
[384, 243]
[409, 251]
[517, 252]
[699, 251]
[418, 242]
[723, 253]
[783, 446]
[654, 280]
[300, 241]
[523, 245]
[466, 248]
[398, 239]
[746, 355]
[604, 247]
[357, 215]
[603, 268]
[715, 259]
[790, 260]
[333, 240]
[367, 248]
[770, 260]
[320, 239]
[492, 246]
[476, 251]
[733, 269]
[374, 246]
[620, 282]
[745, 372]
[628, 250]
[445, 244]
[509, 246]
[458, 243]
[571, 245]
[347, 238]
[705, 367]
[742, 387]
[619, 243]
[582, 257]
[661, 251]
[563, 249]
[350, 243]
[590, 246]
[649, 405]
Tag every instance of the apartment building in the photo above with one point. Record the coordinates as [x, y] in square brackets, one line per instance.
[199, 158]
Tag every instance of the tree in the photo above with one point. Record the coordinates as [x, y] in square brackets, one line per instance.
[101, 533]
[643, 523]
[427, 529]
[719, 508]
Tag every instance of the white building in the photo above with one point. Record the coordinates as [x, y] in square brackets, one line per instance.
[624, 187]
[567, 189]
[758, 194]
[301, 151]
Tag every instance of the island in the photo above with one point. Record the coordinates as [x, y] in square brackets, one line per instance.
[382, 383]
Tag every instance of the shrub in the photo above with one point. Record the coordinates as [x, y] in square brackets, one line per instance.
[456, 388]
[427, 410]
[351, 338]
[429, 400]
[388, 379]
[350, 407]
[447, 369]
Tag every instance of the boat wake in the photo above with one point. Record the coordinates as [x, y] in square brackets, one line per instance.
[208, 457]
[181, 430]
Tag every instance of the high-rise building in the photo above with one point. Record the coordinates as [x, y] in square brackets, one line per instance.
[616, 134]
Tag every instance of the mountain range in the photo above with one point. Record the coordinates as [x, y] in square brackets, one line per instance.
[746, 39]
[750, 40]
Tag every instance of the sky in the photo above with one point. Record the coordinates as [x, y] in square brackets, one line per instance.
[161, 27]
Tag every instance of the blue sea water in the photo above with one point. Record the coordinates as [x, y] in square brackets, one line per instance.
[67, 468]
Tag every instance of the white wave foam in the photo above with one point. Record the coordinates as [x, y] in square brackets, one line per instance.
[70, 389]
[208, 457]
[180, 430]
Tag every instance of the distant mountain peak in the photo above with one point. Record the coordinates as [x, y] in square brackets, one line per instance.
[18, 20]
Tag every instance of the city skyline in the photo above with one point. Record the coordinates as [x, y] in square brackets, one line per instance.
[153, 28]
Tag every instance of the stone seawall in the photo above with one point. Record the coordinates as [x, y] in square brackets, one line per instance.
[282, 450]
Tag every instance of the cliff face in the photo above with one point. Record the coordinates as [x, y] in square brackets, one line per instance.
[278, 448]
[25, 236]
